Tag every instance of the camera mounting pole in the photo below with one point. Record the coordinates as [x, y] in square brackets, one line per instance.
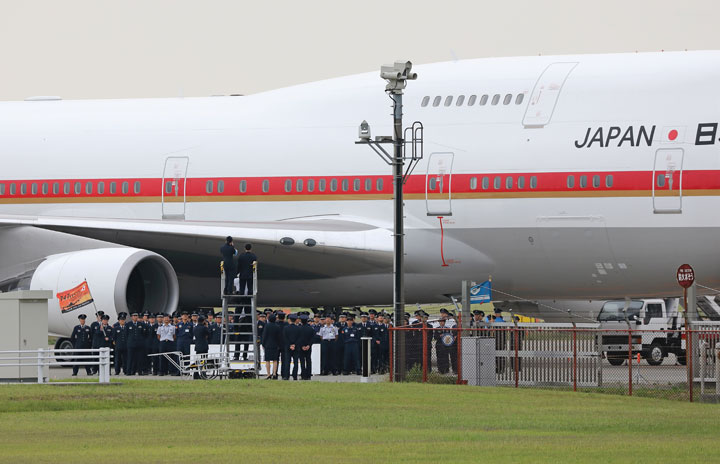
[397, 76]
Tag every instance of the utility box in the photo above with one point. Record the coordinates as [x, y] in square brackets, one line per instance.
[478, 361]
[24, 316]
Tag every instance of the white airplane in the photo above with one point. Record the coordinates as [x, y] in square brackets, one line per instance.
[563, 177]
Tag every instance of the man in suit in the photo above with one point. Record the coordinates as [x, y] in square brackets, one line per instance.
[135, 331]
[81, 338]
[120, 342]
[228, 253]
[305, 343]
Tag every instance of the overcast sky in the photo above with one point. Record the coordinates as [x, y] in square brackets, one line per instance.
[166, 48]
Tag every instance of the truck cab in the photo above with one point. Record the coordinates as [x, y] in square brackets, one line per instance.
[652, 318]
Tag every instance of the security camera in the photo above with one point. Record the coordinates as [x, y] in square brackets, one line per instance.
[364, 131]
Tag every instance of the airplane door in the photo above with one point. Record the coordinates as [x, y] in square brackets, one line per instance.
[173, 187]
[545, 94]
[438, 184]
[667, 181]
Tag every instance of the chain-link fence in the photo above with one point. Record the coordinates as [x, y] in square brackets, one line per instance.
[580, 357]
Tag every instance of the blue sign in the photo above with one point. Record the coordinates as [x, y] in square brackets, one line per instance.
[481, 293]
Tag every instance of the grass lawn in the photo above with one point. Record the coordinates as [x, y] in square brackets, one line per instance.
[271, 421]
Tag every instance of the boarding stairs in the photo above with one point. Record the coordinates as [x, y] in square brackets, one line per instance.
[239, 335]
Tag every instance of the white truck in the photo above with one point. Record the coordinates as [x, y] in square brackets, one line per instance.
[642, 315]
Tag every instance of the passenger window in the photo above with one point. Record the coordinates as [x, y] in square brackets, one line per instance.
[448, 100]
[333, 185]
[533, 182]
[23, 189]
[519, 98]
[497, 182]
[507, 99]
[661, 180]
[168, 187]
[508, 182]
[13, 189]
[368, 185]
[425, 101]
[345, 185]
[432, 184]
[34, 188]
[596, 181]
[609, 181]
[78, 188]
[265, 186]
[56, 188]
[136, 187]
[288, 186]
[299, 185]
[321, 185]
[45, 188]
[379, 185]
[126, 188]
[571, 182]
[521, 182]
[310, 185]
[208, 187]
[460, 100]
[2, 189]
[485, 183]
[436, 101]
[113, 188]
[356, 185]
[472, 100]
[221, 186]
[583, 181]
[483, 100]
[88, 188]
[66, 188]
[101, 187]
[473, 183]
[243, 186]
[496, 99]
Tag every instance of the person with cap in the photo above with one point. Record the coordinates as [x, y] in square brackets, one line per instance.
[477, 321]
[103, 336]
[216, 329]
[445, 347]
[135, 331]
[201, 333]
[384, 343]
[305, 343]
[93, 328]
[153, 344]
[350, 336]
[120, 345]
[340, 354]
[246, 261]
[329, 335]
[81, 338]
[228, 252]
[184, 333]
[165, 335]
[271, 342]
[291, 348]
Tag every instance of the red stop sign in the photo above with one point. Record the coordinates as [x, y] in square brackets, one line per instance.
[685, 275]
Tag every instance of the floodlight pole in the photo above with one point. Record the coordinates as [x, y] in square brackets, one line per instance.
[398, 235]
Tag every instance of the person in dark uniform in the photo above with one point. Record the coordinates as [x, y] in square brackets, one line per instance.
[291, 348]
[120, 341]
[152, 345]
[184, 334]
[81, 338]
[93, 328]
[216, 330]
[340, 354]
[283, 357]
[165, 335]
[375, 343]
[305, 342]
[228, 253]
[103, 336]
[384, 338]
[445, 347]
[271, 342]
[350, 336]
[202, 336]
[245, 270]
[135, 331]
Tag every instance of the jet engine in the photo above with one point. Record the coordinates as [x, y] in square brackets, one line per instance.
[117, 280]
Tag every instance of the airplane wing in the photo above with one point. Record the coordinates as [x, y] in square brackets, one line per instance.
[319, 247]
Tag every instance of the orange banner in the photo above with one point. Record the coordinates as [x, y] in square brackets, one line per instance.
[75, 298]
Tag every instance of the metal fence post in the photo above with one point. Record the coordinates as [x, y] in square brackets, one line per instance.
[41, 371]
[517, 367]
[689, 359]
[574, 358]
[424, 354]
[391, 330]
[717, 368]
[629, 362]
[703, 362]
[459, 351]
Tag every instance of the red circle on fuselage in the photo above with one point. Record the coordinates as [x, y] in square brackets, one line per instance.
[672, 135]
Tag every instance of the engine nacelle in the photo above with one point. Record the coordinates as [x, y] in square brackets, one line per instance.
[119, 279]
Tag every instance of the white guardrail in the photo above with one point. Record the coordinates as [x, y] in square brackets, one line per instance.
[44, 357]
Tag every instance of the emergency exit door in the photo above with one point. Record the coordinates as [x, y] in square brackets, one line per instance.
[667, 181]
[174, 184]
[438, 184]
[545, 94]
